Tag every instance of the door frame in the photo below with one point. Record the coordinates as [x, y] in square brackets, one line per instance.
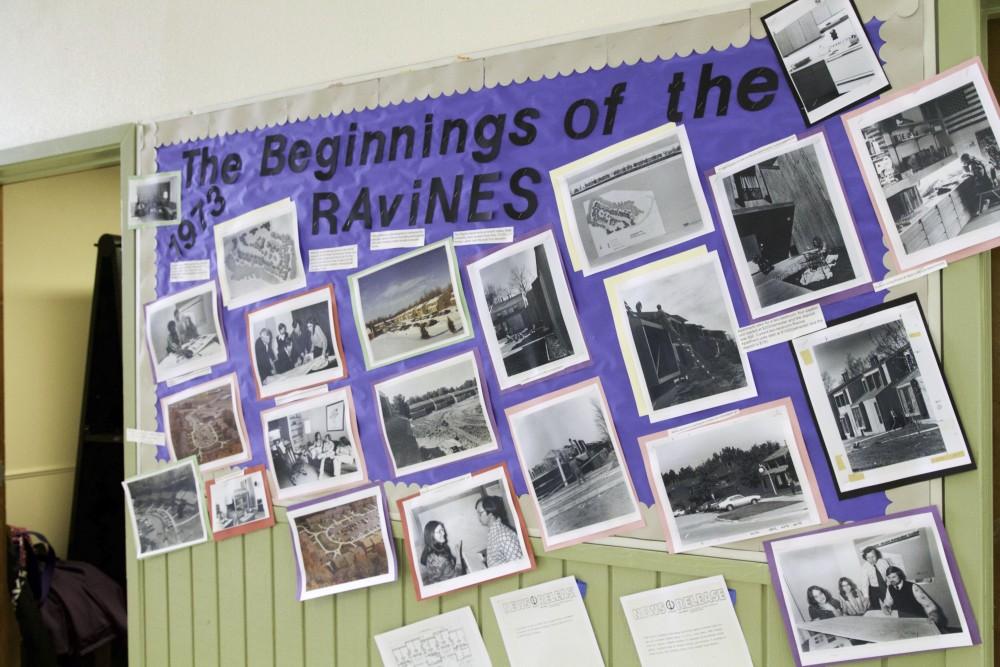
[113, 146]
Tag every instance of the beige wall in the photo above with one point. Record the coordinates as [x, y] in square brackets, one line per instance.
[50, 227]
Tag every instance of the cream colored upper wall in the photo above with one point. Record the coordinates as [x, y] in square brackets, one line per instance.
[50, 227]
[69, 67]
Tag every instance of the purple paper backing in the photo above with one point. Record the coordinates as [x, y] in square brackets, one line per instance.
[963, 597]
[714, 139]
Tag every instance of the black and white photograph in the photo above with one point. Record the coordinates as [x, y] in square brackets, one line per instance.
[313, 445]
[435, 415]
[410, 305]
[526, 311]
[342, 543]
[739, 478]
[631, 199]
[155, 199]
[257, 254]
[829, 61]
[239, 503]
[570, 454]
[295, 343]
[166, 510]
[678, 333]
[870, 589]
[183, 332]
[788, 226]
[929, 157]
[881, 403]
[464, 532]
[206, 421]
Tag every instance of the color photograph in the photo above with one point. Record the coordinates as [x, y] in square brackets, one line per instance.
[630, 200]
[678, 335]
[435, 415]
[527, 312]
[880, 400]
[295, 343]
[342, 543]
[257, 254]
[183, 332]
[206, 421]
[312, 445]
[571, 456]
[410, 305]
[929, 156]
[788, 226]
[738, 478]
[876, 588]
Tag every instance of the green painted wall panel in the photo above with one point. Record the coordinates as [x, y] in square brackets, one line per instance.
[179, 606]
[320, 628]
[289, 613]
[205, 605]
[625, 581]
[232, 603]
[259, 601]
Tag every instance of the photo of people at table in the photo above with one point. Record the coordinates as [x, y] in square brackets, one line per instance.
[294, 344]
[883, 587]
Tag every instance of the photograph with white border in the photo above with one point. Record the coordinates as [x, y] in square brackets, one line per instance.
[788, 226]
[449, 638]
[206, 421]
[876, 588]
[313, 445]
[409, 305]
[464, 532]
[571, 457]
[239, 503]
[693, 623]
[930, 158]
[342, 543]
[737, 478]
[881, 403]
[526, 311]
[631, 199]
[679, 337]
[166, 509]
[154, 200]
[828, 59]
[435, 415]
[257, 254]
[183, 332]
[546, 625]
[295, 343]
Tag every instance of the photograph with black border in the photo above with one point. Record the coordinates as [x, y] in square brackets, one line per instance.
[880, 401]
[829, 62]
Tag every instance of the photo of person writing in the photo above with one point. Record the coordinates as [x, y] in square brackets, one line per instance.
[437, 561]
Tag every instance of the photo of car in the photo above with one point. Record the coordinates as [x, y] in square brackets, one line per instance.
[729, 503]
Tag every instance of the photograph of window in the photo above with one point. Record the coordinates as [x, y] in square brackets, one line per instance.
[929, 156]
[880, 400]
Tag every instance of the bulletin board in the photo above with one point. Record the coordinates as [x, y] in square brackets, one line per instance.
[715, 75]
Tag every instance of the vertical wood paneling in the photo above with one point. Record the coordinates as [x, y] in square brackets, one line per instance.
[259, 603]
[412, 609]
[205, 605]
[289, 616]
[488, 620]
[625, 581]
[597, 600]
[777, 650]
[232, 603]
[546, 569]
[749, 602]
[320, 627]
[385, 610]
[135, 597]
[179, 605]
[352, 628]
[157, 619]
